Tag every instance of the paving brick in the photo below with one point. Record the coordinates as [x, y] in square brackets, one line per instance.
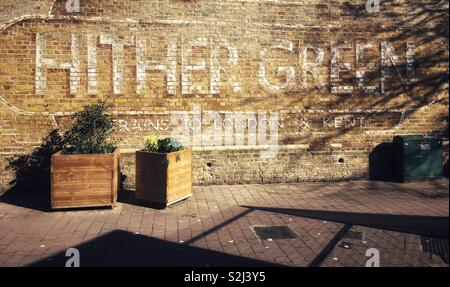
[227, 229]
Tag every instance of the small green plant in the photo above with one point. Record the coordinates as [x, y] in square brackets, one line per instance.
[167, 145]
[90, 131]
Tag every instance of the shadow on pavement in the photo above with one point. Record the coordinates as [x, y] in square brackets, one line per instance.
[432, 229]
[430, 226]
[36, 201]
[121, 248]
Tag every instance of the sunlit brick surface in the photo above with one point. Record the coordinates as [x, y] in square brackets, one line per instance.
[341, 80]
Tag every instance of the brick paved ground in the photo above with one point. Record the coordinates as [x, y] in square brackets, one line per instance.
[214, 227]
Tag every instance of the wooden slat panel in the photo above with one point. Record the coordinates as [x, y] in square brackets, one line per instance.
[77, 166]
[180, 193]
[84, 180]
[78, 198]
[115, 185]
[81, 175]
[179, 174]
[150, 177]
[82, 186]
[79, 193]
[83, 157]
[81, 203]
[158, 181]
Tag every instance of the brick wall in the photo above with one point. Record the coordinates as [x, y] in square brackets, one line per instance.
[337, 80]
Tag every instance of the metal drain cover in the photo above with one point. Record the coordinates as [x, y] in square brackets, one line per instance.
[435, 246]
[356, 235]
[274, 232]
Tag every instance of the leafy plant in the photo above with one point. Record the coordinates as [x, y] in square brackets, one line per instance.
[90, 131]
[151, 143]
[167, 145]
[89, 135]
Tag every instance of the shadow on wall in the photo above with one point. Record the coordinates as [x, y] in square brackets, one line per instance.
[32, 171]
[381, 163]
[122, 248]
[31, 183]
[432, 66]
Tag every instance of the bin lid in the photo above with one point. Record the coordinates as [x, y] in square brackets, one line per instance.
[417, 137]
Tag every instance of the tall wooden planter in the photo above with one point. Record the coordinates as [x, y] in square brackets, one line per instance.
[163, 178]
[85, 180]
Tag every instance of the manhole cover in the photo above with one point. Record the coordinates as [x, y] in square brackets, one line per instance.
[435, 246]
[356, 235]
[274, 232]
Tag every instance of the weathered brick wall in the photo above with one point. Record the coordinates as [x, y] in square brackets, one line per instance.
[340, 80]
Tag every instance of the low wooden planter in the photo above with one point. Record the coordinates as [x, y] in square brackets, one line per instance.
[85, 180]
[163, 178]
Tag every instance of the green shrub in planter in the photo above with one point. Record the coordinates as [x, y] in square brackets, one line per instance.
[86, 172]
[163, 171]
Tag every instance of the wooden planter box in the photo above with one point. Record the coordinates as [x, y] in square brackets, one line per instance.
[85, 180]
[164, 178]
